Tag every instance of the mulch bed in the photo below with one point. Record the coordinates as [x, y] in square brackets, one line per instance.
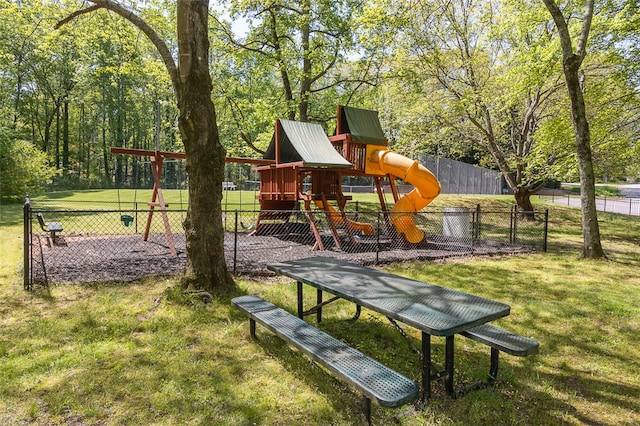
[124, 258]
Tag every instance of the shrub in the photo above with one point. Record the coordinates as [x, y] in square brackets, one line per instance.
[24, 167]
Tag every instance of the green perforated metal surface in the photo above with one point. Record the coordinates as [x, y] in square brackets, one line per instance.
[376, 381]
[502, 340]
[435, 310]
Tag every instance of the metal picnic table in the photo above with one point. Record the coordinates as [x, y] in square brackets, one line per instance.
[434, 310]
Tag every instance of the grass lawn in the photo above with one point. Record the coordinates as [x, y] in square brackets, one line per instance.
[144, 354]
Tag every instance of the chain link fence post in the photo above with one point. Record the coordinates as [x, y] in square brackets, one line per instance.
[546, 230]
[378, 231]
[26, 210]
[476, 223]
[513, 225]
[235, 242]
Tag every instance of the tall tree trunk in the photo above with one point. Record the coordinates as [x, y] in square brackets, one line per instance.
[523, 199]
[206, 266]
[65, 135]
[81, 141]
[282, 64]
[571, 63]
[18, 96]
[592, 246]
[57, 144]
[106, 177]
[305, 83]
[47, 129]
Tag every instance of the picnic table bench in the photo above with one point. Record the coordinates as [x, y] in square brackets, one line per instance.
[374, 380]
[50, 227]
[500, 340]
[434, 310]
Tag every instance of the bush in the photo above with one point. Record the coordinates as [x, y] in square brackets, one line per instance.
[25, 169]
[601, 191]
[607, 191]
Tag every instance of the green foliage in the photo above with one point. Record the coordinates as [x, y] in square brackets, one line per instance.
[601, 190]
[295, 61]
[482, 83]
[76, 91]
[24, 169]
[475, 82]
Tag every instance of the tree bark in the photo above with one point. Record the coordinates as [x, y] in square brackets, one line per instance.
[206, 265]
[523, 199]
[305, 83]
[65, 135]
[571, 63]
[591, 247]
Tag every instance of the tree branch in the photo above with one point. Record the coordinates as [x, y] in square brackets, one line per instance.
[76, 14]
[561, 25]
[581, 49]
[139, 23]
[228, 34]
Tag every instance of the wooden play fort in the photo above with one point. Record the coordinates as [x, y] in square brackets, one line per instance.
[306, 165]
[303, 164]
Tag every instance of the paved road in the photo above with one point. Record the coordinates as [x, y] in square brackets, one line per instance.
[628, 204]
[630, 191]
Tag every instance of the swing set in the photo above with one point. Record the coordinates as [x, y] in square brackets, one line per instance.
[157, 159]
[126, 219]
[157, 199]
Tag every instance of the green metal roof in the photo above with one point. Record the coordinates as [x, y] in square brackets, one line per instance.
[364, 126]
[306, 142]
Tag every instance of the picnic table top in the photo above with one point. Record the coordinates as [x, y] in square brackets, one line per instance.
[433, 309]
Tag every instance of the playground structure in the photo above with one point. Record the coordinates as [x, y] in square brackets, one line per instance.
[303, 164]
[308, 166]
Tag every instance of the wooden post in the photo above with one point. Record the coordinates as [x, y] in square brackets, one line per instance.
[156, 169]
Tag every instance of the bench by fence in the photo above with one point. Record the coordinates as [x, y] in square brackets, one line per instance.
[50, 227]
[374, 380]
[501, 341]
[228, 186]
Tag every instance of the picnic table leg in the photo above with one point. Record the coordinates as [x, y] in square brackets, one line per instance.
[252, 328]
[319, 304]
[426, 366]
[367, 409]
[493, 371]
[300, 303]
[357, 314]
[448, 365]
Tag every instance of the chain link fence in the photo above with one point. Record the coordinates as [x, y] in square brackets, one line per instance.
[99, 243]
[619, 205]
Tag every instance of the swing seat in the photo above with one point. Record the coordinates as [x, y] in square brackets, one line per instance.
[126, 219]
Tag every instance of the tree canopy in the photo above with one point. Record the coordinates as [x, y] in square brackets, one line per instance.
[472, 80]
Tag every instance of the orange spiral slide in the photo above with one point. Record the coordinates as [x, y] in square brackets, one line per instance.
[411, 171]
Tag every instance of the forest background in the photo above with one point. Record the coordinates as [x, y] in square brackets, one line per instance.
[477, 81]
